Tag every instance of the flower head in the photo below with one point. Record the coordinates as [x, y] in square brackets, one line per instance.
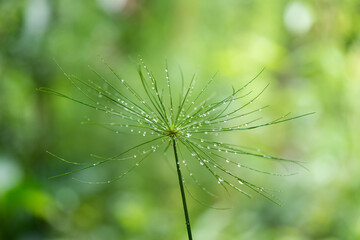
[163, 112]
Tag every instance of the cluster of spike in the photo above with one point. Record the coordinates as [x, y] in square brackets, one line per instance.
[163, 117]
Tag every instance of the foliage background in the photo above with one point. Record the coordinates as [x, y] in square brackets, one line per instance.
[311, 51]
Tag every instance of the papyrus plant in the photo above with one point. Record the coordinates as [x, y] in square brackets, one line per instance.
[185, 119]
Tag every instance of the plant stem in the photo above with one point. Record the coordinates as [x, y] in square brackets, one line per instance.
[187, 220]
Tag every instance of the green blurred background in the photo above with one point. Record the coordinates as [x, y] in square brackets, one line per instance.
[311, 51]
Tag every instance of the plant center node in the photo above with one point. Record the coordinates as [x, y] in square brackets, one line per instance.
[171, 132]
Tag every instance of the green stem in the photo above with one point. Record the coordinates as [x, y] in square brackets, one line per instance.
[187, 220]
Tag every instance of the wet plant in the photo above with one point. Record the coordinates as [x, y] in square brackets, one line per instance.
[180, 117]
